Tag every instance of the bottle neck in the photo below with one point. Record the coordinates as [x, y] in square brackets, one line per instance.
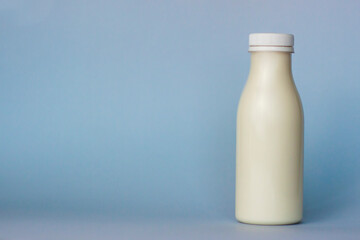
[265, 65]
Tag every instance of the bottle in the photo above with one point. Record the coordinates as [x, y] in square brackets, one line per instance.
[269, 136]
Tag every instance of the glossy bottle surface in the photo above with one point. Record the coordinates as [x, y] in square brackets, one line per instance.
[269, 143]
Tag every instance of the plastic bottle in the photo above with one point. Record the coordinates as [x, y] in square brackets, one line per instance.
[269, 136]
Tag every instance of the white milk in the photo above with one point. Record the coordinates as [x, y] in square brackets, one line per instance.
[269, 137]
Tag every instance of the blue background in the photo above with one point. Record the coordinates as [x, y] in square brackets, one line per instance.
[128, 108]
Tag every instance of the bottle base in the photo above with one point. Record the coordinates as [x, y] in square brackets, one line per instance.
[268, 223]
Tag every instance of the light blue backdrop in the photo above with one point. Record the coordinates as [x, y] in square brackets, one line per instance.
[129, 107]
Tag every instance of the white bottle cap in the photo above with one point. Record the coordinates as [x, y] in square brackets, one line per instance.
[279, 42]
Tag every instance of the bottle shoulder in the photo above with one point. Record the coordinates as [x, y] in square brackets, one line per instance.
[281, 86]
[279, 97]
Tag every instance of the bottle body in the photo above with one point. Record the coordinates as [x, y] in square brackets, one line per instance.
[269, 144]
